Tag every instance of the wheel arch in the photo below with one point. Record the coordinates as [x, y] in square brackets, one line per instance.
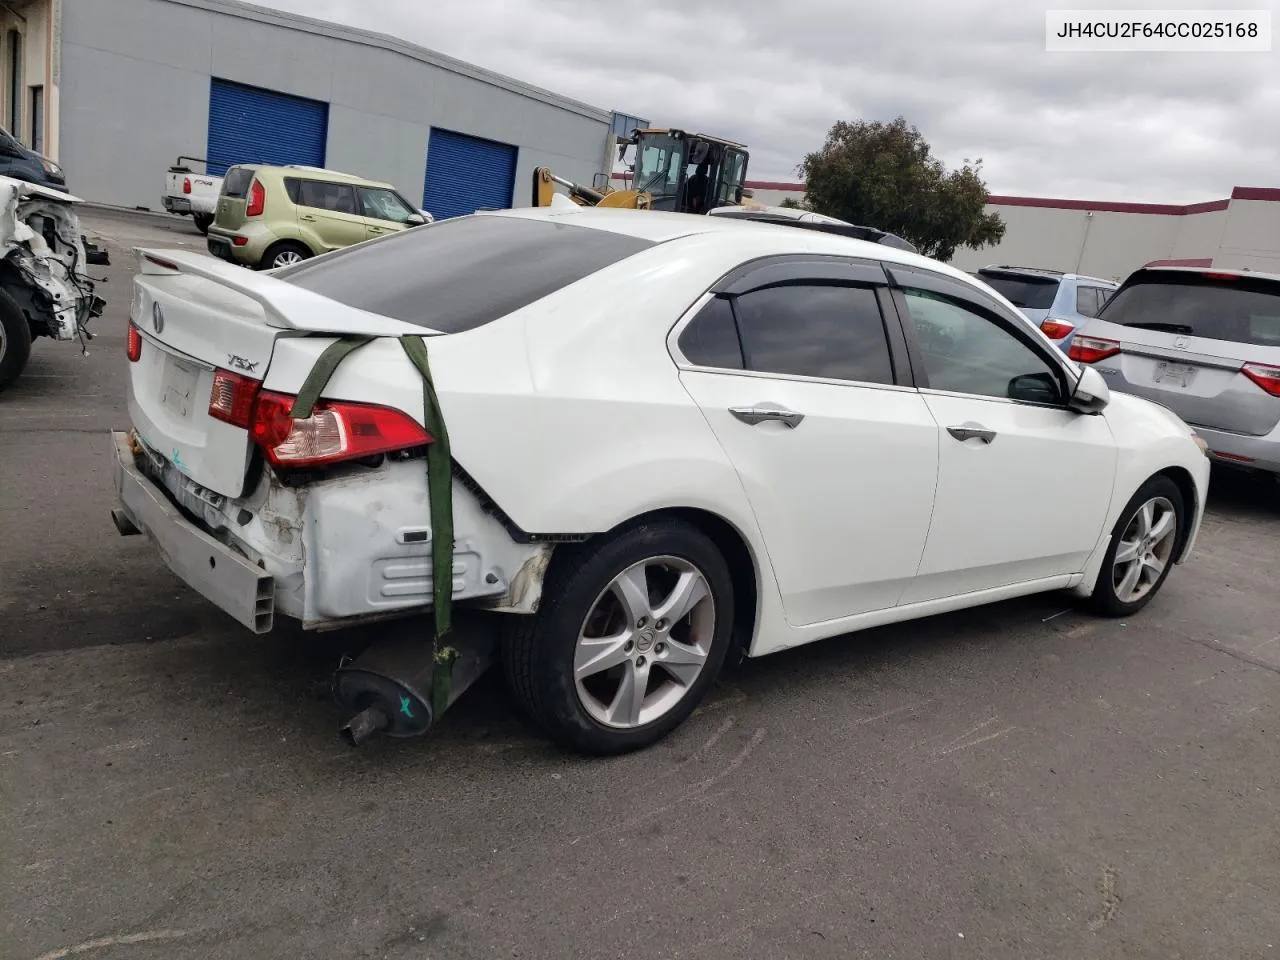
[1181, 478]
[744, 566]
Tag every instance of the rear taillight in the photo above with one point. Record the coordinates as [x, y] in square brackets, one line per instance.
[257, 199]
[1056, 329]
[1264, 375]
[334, 432]
[232, 396]
[186, 184]
[1092, 349]
[133, 345]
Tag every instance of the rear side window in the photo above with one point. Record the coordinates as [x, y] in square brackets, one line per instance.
[338, 197]
[815, 330]
[460, 274]
[1029, 293]
[236, 182]
[711, 339]
[1236, 309]
[1087, 302]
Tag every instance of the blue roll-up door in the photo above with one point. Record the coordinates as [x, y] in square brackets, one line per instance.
[252, 125]
[467, 173]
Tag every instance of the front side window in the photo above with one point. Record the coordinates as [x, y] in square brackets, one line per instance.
[965, 351]
[335, 197]
[385, 205]
[829, 331]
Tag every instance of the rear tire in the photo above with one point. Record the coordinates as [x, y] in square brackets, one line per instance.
[286, 253]
[1149, 532]
[15, 340]
[599, 667]
[203, 222]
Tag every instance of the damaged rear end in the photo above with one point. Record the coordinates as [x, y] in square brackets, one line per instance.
[323, 518]
[45, 289]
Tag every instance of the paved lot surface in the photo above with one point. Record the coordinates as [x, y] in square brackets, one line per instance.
[1012, 782]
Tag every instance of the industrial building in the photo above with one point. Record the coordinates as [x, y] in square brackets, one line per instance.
[1107, 239]
[116, 91]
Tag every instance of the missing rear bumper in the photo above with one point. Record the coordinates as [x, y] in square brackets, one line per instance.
[212, 569]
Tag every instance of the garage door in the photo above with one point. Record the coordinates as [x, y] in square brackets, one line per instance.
[252, 125]
[467, 173]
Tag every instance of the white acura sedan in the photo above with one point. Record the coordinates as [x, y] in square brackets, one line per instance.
[673, 439]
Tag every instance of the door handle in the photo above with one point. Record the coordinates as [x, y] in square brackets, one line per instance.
[759, 414]
[307, 218]
[972, 431]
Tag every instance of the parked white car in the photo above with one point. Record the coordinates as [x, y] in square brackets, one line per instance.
[673, 437]
[189, 193]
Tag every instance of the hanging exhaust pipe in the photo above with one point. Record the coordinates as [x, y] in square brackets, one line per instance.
[388, 689]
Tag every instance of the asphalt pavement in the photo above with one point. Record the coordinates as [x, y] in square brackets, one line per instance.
[1019, 781]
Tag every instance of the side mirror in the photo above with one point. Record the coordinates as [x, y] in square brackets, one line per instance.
[1091, 394]
[415, 220]
[1035, 388]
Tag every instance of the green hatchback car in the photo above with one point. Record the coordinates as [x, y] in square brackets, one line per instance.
[271, 217]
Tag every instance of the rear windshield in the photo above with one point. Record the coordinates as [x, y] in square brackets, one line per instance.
[1237, 309]
[459, 274]
[236, 182]
[1031, 293]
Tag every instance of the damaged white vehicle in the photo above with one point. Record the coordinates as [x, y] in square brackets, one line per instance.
[662, 440]
[45, 290]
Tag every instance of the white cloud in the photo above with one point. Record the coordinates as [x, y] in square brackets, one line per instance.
[973, 75]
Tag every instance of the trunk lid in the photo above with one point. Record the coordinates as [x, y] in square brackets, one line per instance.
[196, 316]
[1185, 338]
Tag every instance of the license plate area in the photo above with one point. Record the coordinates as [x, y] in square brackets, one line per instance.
[178, 386]
[1173, 374]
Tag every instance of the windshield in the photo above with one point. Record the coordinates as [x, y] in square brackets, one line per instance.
[459, 274]
[1029, 293]
[1226, 307]
[659, 163]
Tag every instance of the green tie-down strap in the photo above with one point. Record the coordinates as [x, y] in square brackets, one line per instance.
[439, 490]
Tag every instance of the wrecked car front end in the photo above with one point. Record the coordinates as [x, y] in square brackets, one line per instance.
[45, 288]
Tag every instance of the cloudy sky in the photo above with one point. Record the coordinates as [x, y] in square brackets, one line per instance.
[973, 75]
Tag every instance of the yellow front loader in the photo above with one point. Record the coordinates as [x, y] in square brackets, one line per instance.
[673, 170]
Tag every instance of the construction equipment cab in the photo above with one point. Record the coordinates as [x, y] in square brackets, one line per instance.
[672, 170]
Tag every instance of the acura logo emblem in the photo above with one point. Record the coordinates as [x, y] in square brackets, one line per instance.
[157, 317]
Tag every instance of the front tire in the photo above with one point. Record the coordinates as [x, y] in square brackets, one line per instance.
[1143, 545]
[286, 253]
[631, 633]
[15, 340]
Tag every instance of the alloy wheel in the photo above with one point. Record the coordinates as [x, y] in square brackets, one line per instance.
[644, 642]
[1145, 550]
[286, 258]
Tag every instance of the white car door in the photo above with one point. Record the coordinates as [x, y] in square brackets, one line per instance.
[793, 369]
[1024, 482]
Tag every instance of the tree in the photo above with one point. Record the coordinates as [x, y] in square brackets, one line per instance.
[791, 203]
[883, 175]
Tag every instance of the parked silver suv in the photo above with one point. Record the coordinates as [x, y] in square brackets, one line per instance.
[1058, 303]
[1206, 344]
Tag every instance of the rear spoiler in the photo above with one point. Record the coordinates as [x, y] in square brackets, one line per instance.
[285, 305]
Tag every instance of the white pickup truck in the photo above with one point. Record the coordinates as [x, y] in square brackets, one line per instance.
[188, 193]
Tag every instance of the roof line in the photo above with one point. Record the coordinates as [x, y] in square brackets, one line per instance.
[336, 31]
[1264, 194]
